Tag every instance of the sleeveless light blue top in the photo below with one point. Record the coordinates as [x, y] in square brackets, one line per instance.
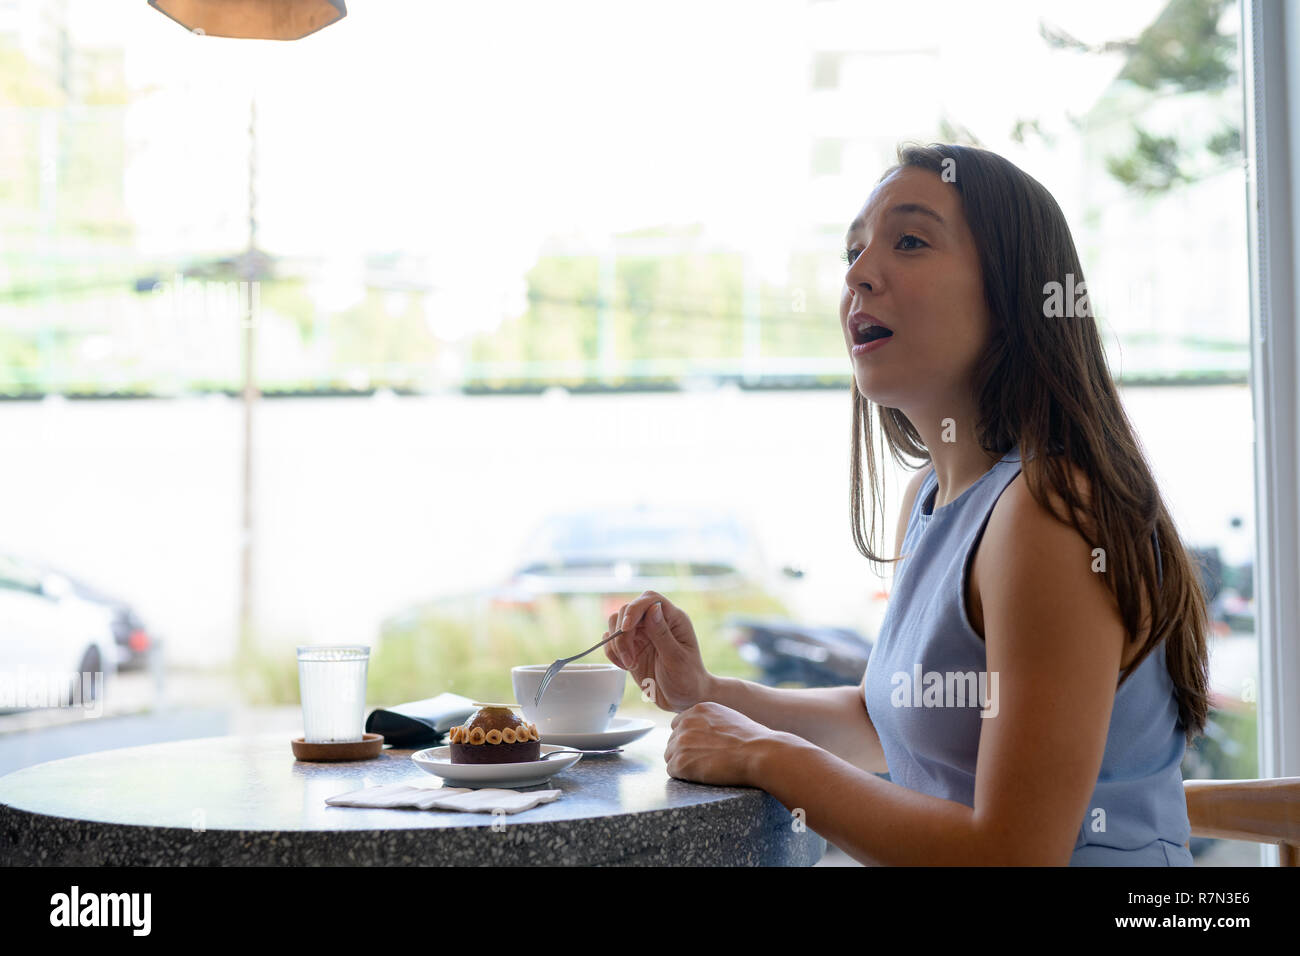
[1137, 815]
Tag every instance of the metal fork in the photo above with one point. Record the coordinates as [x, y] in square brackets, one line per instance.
[617, 750]
[559, 666]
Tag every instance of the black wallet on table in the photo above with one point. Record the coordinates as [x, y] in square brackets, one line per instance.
[421, 723]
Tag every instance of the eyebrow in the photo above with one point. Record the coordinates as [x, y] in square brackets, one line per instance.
[901, 209]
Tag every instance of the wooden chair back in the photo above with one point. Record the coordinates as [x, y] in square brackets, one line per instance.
[1259, 811]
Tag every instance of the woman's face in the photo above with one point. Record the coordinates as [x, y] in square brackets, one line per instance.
[913, 265]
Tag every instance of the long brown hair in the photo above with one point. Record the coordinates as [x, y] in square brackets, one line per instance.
[1046, 386]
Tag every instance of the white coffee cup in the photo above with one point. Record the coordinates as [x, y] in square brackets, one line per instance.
[580, 699]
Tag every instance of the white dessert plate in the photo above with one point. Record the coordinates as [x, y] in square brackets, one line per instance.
[437, 761]
[621, 730]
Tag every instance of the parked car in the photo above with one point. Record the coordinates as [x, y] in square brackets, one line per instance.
[135, 643]
[573, 571]
[46, 628]
[617, 551]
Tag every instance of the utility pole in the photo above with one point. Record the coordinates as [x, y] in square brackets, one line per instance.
[606, 346]
[250, 272]
[751, 309]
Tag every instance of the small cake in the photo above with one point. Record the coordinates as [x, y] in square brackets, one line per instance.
[495, 735]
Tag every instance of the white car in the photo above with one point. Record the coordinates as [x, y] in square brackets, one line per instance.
[49, 638]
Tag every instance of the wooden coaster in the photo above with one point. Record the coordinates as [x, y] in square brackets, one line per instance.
[371, 746]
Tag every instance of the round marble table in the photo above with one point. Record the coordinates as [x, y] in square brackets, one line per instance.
[247, 801]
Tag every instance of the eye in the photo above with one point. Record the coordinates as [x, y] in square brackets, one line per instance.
[848, 255]
[908, 235]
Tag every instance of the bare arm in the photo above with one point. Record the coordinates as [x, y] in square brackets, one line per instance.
[833, 718]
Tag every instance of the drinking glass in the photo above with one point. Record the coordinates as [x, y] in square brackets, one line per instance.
[332, 682]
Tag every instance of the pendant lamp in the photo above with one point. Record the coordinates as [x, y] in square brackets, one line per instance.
[253, 19]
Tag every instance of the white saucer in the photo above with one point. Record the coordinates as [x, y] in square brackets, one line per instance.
[621, 730]
[437, 761]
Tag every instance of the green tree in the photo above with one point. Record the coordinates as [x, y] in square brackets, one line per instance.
[1182, 51]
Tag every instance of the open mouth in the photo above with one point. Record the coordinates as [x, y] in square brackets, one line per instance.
[869, 333]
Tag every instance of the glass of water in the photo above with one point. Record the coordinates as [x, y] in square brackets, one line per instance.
[332, 683]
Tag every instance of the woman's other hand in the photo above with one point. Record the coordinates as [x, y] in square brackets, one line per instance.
[716, 745]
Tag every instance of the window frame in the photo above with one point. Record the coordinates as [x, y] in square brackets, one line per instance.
[1270, 51]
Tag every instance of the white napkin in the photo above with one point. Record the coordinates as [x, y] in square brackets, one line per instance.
[487, 800]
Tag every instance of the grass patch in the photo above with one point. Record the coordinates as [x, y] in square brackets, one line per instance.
[461, 645]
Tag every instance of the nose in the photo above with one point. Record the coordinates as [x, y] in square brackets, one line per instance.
[862, 275]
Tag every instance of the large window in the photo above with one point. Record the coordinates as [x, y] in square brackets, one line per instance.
[418, 292]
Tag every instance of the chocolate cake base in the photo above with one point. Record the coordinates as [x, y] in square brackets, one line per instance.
[519, 752]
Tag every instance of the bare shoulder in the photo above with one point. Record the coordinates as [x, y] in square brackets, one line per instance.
[1048, 553]
[1018, 517]
[1018, 491]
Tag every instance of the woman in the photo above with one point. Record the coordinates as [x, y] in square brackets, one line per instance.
[1026, 702]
